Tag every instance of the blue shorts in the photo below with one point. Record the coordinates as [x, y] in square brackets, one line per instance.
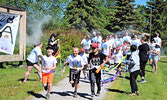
[155, 57]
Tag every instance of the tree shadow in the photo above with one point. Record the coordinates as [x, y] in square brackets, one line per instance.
[71, 93]
[36, 94]
[162, 61]
[126, 77]
[148, 71]
[22, 79]
[118, 91]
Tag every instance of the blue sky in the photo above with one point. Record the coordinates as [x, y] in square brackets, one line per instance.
[141, 2]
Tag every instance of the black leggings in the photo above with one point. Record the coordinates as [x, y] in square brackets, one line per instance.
[142, 68]
[133, 84]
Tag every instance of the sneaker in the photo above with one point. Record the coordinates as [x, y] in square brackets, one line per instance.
[75, 94]
[92, 94]
[137, 93]
[46, 87]
[142, 81]
[47, 96]
[98, 93]
[132, 94]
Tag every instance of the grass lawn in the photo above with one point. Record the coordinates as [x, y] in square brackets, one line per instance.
[12, 88]
[155, 87]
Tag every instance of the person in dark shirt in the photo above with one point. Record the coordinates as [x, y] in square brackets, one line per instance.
[143, 54]
[52, 42]
[95, 60]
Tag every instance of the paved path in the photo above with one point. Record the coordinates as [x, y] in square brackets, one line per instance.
[64, 91]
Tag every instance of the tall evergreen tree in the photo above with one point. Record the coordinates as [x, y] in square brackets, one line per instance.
[142, 19]
[159, 16]
[84, 14]
[122, 16]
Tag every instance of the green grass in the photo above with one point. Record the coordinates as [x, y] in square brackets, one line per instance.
[12, 88]
[154, 89]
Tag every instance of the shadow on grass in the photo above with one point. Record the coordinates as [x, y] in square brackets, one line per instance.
[148, 71]
[118, 91]
[163, 61]
[36, 94]
[70, 93]
[126, 77]
[22, 79]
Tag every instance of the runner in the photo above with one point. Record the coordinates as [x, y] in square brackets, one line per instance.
[117, 56]
[76, 65]
[49, 65]
[32, 61]
[85, 60]
[95, 60]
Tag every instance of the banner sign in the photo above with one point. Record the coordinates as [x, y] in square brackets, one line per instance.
[8, 31]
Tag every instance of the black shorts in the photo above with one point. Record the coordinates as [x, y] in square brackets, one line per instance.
[74, 75]
[85, 68]
[30, 63]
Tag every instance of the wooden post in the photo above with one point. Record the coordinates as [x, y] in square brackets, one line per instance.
[150, 23]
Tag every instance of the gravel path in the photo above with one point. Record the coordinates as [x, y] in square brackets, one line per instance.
[64, 91]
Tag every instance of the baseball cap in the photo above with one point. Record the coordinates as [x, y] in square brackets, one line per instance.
[95, 45]
[82, 50]
[49, 47]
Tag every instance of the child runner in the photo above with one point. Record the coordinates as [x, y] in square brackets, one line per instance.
[117, 56]
[85, 61]
[76, 65]
[134, 69]
[49, 65]
[32, 61]
[95, 60]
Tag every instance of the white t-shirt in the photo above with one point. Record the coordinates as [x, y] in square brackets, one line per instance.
[86, 43]
[85, 58]
[74, 62]
[136, 42]
[157, 40]
[117, 57]
[34, 55]
[106, 48]
[48, 62]
[127, 38]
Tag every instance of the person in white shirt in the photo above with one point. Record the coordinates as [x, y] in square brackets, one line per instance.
[85, 61]
[86, 42]
[117, 56]
[76, 65]
[158, 40]
[111, 40]
[32, 61]
[106, 46]
[49, 65]
[127, 38]
[135, 41]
